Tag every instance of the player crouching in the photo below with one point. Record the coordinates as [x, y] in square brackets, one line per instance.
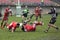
[30, 27]
[12, 26]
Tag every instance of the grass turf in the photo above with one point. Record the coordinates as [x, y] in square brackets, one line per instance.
[39, 34]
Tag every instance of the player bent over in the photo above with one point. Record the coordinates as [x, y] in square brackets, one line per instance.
[12, 26]
[30, 27]
[52, 20]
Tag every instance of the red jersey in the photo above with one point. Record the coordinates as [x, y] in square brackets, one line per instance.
[29, 27]
[37, 11]
[6, 14]
[13, 25]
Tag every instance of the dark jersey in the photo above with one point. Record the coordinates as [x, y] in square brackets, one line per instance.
[26, 11]
[54, 15]
[53, 10]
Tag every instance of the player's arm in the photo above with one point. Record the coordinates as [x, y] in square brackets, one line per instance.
[12, 30]
[10, 11]
[49, 13]
[56, 14]
[41, 9]
[0, 14]
[28, 11]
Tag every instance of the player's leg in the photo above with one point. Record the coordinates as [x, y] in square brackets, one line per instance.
[41, 20]
[36, 18]
[51, 24]
[40, 15]
[13, 29]
[2, 23]
[5, 24]
[34, 26]
[54, 26]
[24, 17]
[22, 28]
[9, 26]
[31, 16]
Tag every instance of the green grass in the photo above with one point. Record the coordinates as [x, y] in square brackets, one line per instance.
[37, 35]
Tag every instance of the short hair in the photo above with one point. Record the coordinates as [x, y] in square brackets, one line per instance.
[18, 24]
[24, 23]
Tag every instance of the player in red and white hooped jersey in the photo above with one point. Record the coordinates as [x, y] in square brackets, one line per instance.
[5, 17]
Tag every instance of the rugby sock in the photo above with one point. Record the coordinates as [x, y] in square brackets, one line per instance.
[1, 23]
[4, 25]
[36, 18]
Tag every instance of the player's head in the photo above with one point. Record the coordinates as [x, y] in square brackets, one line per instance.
[18, 24]
[52, 7]
[26, 6]
[37, 7]
[7, 9]
[24, 23]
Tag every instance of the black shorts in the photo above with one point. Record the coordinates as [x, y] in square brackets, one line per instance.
[52, 21]
[22, 28]
[25, 14]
